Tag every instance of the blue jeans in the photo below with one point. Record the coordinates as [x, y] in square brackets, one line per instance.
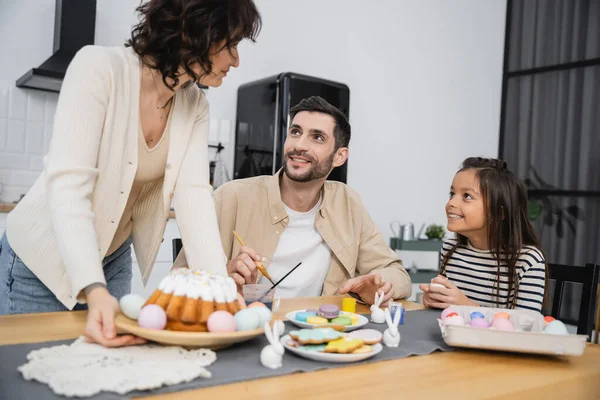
[21, 292]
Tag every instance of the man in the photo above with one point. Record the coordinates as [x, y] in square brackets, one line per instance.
[297, 216]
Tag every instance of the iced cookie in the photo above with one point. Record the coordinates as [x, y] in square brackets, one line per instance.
[302, 316]
[316, 336]
[342, 320]
[353, 318]
[316, 320]
[329, 311]
[319, 348]
[363, 349]
[344, 345]
[369, 336]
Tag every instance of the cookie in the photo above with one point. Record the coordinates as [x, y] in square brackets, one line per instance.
[342, 320]
[369, 336]
[319, 348]
[363, 349]
[353, 318]
[302, 316]
[316, 320]
[316, 336]
[344, 345]
[329, 311]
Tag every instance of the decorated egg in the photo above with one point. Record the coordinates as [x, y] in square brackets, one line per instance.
[502, 314]
[476, 314]
[264, 313]
[131, 305]
[220, 321]
[503, 324]
[548, 319]
[479, 323]
[152, 317]
[446, 313]
[455, 320]
[256, 304]
[247, 320]
[556, 328]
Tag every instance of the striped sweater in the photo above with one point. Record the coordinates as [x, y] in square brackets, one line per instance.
[475, 271]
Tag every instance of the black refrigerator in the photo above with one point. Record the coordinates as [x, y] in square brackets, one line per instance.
[262, 120]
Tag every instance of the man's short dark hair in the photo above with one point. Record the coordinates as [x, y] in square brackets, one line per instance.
[341, 131]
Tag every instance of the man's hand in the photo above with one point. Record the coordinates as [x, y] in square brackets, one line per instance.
[243, 267]
[444, 297]
[100, 326]
[366, 286]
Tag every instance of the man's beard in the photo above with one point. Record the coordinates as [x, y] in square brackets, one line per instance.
[316, 171]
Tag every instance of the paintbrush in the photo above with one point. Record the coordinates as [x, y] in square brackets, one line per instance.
[260, 267]
[278, 282]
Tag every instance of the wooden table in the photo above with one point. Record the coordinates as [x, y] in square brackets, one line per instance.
[459, 374]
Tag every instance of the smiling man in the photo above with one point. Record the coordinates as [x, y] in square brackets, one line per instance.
[298, 216]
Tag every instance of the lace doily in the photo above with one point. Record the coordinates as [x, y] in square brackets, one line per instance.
[84, 369]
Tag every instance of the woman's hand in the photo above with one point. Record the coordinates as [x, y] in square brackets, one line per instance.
[445, 296]
[100, 326]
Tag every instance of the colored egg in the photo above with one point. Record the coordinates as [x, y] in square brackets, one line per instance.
[548, 319]
[220, 321]
[247, 320]
[263, 313]
[303, 315]
[556, 328]
[479, 323]
[502, 314]
[476, 314]
[455, 320]
[152, 317]
[131, 305]
[503, 324]
[316, 320]
[446, 312]
[256, 304]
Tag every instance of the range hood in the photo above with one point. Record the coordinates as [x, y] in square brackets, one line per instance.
[74, 28]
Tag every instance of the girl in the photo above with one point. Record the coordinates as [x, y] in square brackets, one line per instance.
[130, 136]
[495, 260]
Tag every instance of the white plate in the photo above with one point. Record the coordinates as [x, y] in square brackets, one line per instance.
[291, 316]
[330, 357]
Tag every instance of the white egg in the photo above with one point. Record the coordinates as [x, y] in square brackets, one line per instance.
[455, 320]
[131, 305]
[556, 328]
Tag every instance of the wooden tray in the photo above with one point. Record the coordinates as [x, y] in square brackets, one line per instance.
[208, 340]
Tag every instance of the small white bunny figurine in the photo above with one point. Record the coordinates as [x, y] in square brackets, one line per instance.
[271, 355]
[377, 314]
[391, 336]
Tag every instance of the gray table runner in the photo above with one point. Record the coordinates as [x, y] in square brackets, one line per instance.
[420, 335]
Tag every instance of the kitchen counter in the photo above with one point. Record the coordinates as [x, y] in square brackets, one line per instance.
[8, 207]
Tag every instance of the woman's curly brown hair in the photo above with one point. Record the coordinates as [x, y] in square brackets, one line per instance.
[174, 34]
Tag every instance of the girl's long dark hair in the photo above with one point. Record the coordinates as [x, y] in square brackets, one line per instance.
[509, 228]
[174, 34]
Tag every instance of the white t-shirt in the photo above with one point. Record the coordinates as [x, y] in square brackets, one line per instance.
[300, 242]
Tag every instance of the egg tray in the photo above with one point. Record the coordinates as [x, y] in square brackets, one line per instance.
[528, 336]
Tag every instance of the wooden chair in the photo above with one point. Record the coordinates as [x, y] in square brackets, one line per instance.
[588, 277]
[177, 245]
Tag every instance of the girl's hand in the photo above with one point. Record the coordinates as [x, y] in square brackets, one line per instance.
[446, 296]
[100, 326]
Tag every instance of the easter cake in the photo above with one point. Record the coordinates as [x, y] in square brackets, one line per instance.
[190, 297]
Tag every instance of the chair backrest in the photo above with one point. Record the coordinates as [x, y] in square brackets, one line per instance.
[177, 245]
[588, 277]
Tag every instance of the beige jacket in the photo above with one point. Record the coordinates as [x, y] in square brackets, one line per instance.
[253, 208]
[65, 224]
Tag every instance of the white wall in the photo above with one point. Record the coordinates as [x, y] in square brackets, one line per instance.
[425, 81]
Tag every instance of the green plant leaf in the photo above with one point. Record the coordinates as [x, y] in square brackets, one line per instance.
[534, 209]
[576, 212]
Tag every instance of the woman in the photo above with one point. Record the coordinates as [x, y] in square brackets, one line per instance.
[130, 134]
